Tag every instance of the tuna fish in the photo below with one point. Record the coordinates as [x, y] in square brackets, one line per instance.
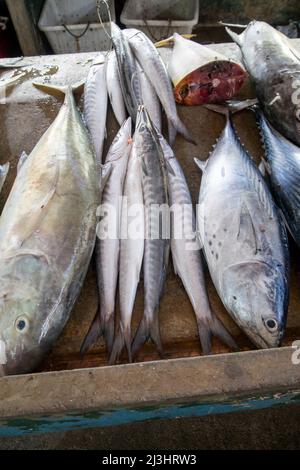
[244, 240]
[155, 69]
[273, 64]
[95, 104]
[156, 253]
[185, 249]
[201, 75]
[114, 88]
[108, 240]
[47, 236]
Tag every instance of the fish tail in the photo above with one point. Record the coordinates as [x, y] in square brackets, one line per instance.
[147, 329]
[178, 126]
[93, 334]
[99, 327]
[214, 326]
[60, 91]
[123, 339]
[231, 107]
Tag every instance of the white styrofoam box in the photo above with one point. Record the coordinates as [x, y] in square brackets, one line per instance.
[159, 19]
[81, 20]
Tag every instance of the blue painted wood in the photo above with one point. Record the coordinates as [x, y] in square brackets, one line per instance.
[47, 424]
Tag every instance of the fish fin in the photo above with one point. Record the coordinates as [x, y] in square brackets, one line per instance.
[201, 164]
[238, 105]
[246, 232]
[262, 168]
[106, 170]
[93, 334]
[60, 91]
[237, 38]
[123, 339]
[219, 108]
[22, 160]
[147, 330]
[169, 168]
[214, 327]
[4, 171]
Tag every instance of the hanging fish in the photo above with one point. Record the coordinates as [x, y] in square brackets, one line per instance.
[201, 75]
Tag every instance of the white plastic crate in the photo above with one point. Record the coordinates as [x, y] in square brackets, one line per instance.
[159, 19]
[62, 20]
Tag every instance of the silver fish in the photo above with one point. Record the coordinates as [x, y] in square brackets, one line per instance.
[283, 167]
[150, 99]
[3, 174]
[47, 236]
[273, 64]
[185, 249]
[156, 251]
[153, 66]
[244, 241]
[128, 75]
[95, 104]
[114, 88]
[131, 249]
[108, 240]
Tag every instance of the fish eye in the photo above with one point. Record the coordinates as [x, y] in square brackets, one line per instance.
[184, 91]
[21, 324]
[271, 324]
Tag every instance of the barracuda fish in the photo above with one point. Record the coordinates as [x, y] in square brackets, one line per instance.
[155, 69]
[283, 167]
[108, 243]
[128, 75]
[156, 250]
[95, 104]
[114, 88]
[47, 236]
[185, 249]
[131, 248]
[150, 99]
[244, 240]
[3, 174]
[274, 67]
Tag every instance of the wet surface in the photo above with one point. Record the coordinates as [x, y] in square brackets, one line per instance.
[25, 115]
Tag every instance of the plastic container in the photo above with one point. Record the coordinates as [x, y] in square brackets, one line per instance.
[160, 19]
[73, 25]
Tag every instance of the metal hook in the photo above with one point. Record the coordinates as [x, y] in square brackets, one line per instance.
[98, 4]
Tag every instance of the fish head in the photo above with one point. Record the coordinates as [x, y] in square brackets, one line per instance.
[22, 317]
[121, 143]
[256, 295]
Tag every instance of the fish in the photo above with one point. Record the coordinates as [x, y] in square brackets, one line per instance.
[129, 78]
[108, 239]
[186, 255]
[114, 88]
[282, 162]
[3, 174]
[150, 99]
[153, 66]
[47, 237]
[157, 244]
[244, 240]
[273, 65]
[95, 104]
[131, 248]
[201, 75]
